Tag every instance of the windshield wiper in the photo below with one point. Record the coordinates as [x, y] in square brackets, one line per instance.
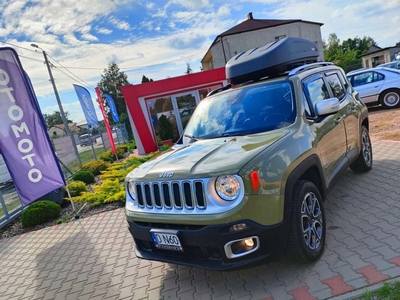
[191, 137]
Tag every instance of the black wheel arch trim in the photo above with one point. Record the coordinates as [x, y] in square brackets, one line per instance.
[312, 161]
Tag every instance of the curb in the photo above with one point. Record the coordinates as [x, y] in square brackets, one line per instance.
[361, 291]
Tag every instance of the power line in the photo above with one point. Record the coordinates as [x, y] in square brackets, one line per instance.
[74, 79]
[138, 68]
[76, 76]
[18, 46]
[27, 57]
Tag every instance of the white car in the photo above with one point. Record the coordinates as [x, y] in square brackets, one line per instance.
[377, 86]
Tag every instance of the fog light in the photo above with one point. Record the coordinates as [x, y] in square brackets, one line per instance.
[249, 243]
[238, 227]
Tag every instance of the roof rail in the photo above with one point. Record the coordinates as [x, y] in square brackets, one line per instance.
[226, 87]
[309, 67]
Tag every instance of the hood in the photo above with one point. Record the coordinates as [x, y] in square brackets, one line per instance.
[207, 158]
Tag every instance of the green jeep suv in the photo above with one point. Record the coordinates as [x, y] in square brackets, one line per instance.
[248, 179]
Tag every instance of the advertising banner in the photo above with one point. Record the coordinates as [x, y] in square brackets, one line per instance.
[87, 104]
[103, 111]
[113, 108]
[24, 142]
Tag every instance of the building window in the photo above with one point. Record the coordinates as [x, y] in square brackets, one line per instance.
[279, 37]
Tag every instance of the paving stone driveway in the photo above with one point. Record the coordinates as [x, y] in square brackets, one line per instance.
[93, 258]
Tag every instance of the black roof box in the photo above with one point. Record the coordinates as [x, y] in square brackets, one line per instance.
[272, 59]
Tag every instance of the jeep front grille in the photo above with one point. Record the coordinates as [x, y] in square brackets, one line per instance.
[173, 194]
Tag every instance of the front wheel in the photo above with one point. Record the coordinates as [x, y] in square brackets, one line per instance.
[308, 226]
[363, 163]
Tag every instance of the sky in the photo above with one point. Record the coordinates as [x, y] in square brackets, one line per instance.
[157, 38]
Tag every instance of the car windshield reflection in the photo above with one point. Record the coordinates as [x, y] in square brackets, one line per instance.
[242, 111]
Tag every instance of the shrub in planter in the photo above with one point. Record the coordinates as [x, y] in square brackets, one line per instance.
[40, 212]
[123, 148]
[95, 167]
[85, 176]
[107, 156]
[165, 129]
[76, 188]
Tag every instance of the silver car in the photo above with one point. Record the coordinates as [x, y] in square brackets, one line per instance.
[393, 65]
[377, 86]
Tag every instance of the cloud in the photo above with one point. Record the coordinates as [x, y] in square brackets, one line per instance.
[191, 4]
[122, 25]
[104, 30]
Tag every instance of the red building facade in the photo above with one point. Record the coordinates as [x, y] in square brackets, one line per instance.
[176, 98]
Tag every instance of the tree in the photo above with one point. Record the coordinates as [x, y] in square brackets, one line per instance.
[188, 69]
[145, 79]
[55, 118]
[111, 81]
[166, 131]
[347, 54]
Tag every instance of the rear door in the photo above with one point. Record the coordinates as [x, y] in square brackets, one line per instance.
[350, 108]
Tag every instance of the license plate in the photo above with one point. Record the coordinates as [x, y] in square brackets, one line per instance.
[166, 239]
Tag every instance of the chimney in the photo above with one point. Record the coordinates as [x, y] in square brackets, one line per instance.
[250, 16]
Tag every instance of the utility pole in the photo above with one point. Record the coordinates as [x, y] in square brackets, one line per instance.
[66, 127]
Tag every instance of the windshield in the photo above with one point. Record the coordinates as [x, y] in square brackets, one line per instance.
[242, 111]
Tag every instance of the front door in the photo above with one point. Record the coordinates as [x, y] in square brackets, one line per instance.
[329, 131]
[184, 105]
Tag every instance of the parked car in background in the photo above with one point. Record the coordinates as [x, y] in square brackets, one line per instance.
[377, 86]
[392, 65]
[85, 140]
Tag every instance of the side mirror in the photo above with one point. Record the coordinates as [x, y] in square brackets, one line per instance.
[327, 106]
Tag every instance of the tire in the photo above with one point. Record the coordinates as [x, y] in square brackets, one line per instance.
[364, 161]
[390, 98]
[307, 228]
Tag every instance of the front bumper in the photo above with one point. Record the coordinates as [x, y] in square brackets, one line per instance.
[204, 246]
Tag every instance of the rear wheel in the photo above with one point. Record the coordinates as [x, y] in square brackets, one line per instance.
[390, 98]
[363, 163]
[308, 226]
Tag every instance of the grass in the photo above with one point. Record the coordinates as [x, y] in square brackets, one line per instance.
[386, 292]
[15, 203]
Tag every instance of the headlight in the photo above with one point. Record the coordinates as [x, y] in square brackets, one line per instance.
[130, 200]
[227, 187]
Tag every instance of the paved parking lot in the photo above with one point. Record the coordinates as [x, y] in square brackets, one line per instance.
[93, 258]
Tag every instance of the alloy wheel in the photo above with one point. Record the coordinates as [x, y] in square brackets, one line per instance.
[311, 221]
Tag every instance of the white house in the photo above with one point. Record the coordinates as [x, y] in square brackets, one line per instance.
[59, 129]
[253, 33]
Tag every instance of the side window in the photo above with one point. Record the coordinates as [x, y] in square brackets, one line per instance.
[378, 76]
[336, 86]
[363, 78]
[316, 91]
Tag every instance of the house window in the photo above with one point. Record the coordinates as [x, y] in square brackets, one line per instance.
[367, 63]
[279, 37]
[54, 133]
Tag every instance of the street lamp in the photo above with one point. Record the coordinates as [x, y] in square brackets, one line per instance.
[66, 127]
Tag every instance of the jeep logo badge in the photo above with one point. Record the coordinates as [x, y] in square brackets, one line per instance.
[166, 174]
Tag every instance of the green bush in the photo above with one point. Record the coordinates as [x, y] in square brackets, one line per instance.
[95, 167]
[131, 146]
[85, 176]
[107, 156]
[165, 128]
[122, 147]
[76, 188]
[40, 212]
